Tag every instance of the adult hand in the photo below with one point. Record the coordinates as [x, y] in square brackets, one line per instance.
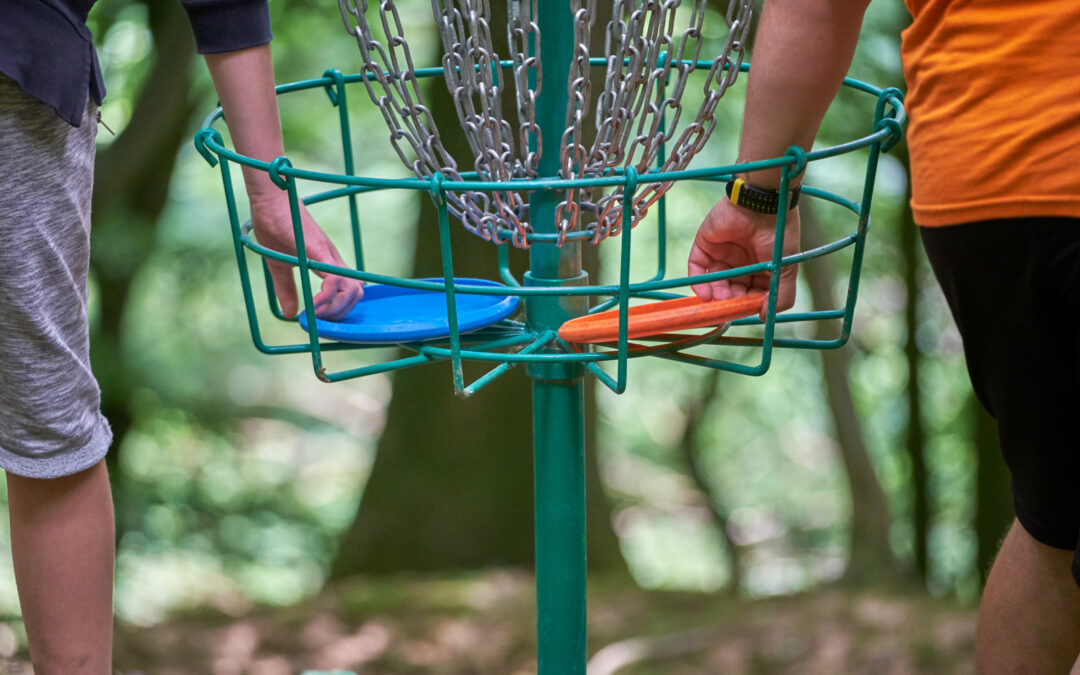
[273, 228]
[732, 236]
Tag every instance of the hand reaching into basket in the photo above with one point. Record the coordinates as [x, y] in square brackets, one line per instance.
[273, 228]
[731, 237]
[244, 80]
[795, 76]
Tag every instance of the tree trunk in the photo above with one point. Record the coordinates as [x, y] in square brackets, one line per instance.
[696, 411]
[452, 484]
[871, 560]
[915, 437]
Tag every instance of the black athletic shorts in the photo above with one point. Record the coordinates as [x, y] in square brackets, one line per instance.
[1014, 289]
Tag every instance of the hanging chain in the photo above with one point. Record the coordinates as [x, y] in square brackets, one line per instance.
[523, 36]
[641, 55]
[392, 84]
[473, 74]
[722, 74]
[579, 94]
[646, 77]
[637, 113]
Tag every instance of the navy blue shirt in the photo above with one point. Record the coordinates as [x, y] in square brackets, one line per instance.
[47, 49]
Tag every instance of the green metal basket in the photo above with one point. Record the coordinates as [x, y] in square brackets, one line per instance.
[509, 342]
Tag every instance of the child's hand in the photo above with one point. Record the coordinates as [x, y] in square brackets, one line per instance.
[732, 236]
[273, 229]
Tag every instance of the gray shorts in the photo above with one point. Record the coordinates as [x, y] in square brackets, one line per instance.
[50, 419]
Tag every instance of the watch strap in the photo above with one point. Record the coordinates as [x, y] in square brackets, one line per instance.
[758, 199]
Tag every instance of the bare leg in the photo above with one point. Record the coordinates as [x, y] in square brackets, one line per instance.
[62, 542]
[1029, 619]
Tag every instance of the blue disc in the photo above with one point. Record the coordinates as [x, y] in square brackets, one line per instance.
[392, 314]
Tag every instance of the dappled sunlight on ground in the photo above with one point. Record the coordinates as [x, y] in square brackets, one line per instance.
[484, 624]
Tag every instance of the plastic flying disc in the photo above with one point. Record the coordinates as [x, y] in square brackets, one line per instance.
[664, 316]
[393, 314]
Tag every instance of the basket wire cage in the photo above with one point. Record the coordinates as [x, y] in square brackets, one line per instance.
[527, 200]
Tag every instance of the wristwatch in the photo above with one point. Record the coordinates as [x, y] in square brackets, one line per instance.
[758, 199]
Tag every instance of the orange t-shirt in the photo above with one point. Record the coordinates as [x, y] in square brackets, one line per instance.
[994, 101]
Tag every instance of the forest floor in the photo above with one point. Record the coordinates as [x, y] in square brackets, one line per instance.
[483, 624]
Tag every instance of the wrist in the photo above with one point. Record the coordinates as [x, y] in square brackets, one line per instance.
[262, 190]
[269, 206]
[260, 187]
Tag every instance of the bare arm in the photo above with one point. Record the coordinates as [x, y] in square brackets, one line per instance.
[802, 52]
[244, 80]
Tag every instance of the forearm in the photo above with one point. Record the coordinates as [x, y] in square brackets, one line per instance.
[801, 54]
[244, 80]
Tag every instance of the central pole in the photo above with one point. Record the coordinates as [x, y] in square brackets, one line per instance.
[558, 389]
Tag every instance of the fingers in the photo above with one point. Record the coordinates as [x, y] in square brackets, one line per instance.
[337, 297]
[699, 264]
[284, 287]
[708, 256]
[730, 238]
[788, 275]
[785, 294]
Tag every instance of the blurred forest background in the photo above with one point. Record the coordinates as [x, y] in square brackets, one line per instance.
[835, 515]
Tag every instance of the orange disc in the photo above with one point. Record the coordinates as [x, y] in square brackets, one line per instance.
[664, 316]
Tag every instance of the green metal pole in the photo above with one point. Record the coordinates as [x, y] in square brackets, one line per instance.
[558, 389]
[560, 526]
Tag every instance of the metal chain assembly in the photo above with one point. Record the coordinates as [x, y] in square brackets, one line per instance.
[523, 35]
[641, 105]
[472, 73]
[572, 162]
[638, 111]
[392, 84]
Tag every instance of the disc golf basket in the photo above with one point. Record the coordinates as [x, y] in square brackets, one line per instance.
[570, 170]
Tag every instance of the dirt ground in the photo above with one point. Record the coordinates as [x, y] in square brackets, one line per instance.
[484, 624]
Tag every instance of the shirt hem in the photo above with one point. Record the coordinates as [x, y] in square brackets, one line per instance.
[1030, 207]
[64, 464]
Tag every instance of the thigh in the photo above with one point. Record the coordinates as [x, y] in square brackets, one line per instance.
[1014, 289]
[50, 423]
